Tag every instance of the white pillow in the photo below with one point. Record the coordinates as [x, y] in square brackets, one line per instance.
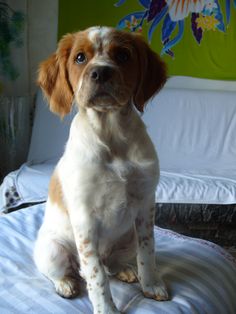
[49, 133]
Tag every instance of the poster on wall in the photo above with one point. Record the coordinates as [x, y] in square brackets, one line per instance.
[195, 37]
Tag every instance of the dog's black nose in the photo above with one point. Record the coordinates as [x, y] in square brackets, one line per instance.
[101, 74]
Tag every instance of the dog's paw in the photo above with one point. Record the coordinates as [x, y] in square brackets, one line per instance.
[156, 291]
[127, 275]
[68, 287]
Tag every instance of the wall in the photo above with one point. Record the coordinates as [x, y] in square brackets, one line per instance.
[33, 43]
[212, 58]
[18, 56]
[39, 38]
[42, 34]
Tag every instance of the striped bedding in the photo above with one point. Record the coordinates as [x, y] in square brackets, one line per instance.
[201, 277]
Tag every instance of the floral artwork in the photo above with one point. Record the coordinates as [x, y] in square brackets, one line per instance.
[170, 15]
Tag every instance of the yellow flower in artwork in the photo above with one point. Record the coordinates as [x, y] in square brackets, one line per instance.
[133, 25]
[207, 22]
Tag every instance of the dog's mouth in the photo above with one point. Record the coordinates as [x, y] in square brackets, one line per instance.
[102, 95]
[105, 97]
[102, 100]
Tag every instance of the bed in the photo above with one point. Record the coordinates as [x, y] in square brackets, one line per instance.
[201, 276]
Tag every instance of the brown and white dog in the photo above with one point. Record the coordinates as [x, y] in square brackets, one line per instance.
[100, 209]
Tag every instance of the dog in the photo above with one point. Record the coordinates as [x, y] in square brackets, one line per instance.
[99, 214]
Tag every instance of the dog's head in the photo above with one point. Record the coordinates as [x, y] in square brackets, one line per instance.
[102, 68]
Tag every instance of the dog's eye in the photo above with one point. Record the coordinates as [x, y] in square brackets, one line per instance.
[80, 58]
[122, 56]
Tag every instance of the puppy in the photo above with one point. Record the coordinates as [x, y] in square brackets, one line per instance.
[100, 210]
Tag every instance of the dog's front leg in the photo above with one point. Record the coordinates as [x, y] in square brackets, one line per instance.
[152, 285]
[86, 238]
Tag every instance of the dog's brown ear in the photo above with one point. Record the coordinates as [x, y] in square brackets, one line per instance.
[53, 78]
[152, 73]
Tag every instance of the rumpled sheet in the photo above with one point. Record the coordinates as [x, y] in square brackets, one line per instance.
[200, 276]
[29, 184]
[190, 187]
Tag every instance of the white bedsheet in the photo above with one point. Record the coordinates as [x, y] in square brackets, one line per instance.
[190, 187]
[28, 184]
[201, 277]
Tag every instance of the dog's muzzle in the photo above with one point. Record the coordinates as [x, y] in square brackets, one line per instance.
[102, 88]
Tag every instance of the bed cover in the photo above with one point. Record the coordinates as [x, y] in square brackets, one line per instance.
[201, 277]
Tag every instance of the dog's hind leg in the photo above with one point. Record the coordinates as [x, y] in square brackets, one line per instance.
[55, 262]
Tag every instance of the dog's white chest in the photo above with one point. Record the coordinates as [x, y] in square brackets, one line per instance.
[112, 191]
[114, 195]
[109, 180]
[120, 194]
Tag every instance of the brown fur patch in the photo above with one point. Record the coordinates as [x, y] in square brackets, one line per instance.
[152, 73]
[56, 193]
[86, 242]
[81, 248]
[95, 269]
[53, 77]
[88, 254]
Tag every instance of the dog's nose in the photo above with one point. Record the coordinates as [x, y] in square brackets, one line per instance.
[101, 74]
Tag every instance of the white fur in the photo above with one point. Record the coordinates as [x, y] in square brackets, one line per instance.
[98, 35]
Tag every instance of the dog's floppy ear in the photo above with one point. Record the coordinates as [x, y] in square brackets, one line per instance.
[53, 78]
[152, 73]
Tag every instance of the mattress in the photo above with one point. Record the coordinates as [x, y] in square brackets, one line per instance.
[200, 276]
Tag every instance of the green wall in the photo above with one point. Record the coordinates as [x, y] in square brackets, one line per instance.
[78, 14]
[214, 58]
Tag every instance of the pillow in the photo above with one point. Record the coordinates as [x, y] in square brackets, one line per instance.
[49, 133]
